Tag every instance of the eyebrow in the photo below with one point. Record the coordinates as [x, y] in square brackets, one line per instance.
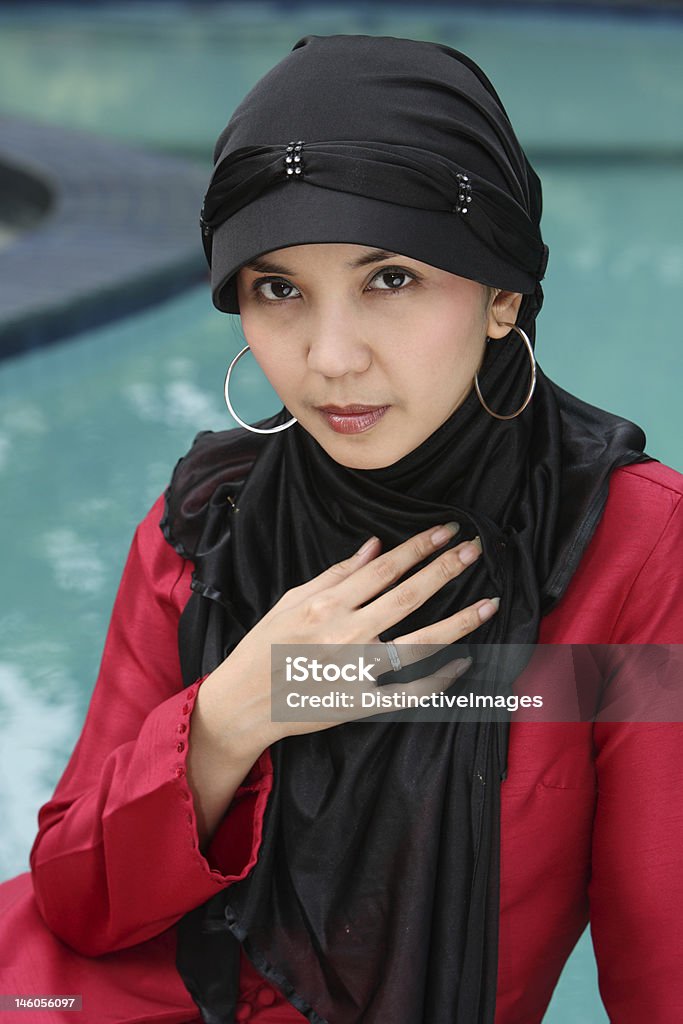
[266, 266]
[375, 256]
[263, 266]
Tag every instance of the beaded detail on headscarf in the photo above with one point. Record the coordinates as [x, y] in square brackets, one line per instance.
[408, 176]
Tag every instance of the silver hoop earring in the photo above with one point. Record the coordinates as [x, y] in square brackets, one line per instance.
[247, 426]
[523, 335]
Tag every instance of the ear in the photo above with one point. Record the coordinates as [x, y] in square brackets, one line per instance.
[503, 309]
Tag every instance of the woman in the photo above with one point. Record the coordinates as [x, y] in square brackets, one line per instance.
[375, 222]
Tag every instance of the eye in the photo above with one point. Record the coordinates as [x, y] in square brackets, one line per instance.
[275, 289]
[393, 279]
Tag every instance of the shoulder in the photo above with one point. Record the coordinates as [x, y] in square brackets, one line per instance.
[214, 461]
[652, 486]
[213, 458]
[153, 566]
[628, 587]
[644, 510]
[644, 503]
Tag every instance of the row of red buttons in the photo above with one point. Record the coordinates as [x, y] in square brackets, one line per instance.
[179, 769]
[264, 996]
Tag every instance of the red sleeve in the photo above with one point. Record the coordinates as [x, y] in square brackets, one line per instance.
[116, 860]
[636, 888]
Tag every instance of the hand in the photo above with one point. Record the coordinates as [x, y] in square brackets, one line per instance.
[339, 606]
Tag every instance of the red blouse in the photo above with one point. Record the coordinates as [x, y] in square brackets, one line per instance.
[592, 820]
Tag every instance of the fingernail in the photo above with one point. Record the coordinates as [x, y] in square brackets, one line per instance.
[488, 610]
[368, 544]
[444, 533]
[461, 666]
[470, 552]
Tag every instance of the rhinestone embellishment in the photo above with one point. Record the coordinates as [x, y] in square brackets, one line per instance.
[206, 230]
[294, 163]
[465, 193]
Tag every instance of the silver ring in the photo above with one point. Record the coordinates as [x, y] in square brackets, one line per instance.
[393, 656]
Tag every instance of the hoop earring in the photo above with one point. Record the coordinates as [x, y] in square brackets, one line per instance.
[247, 426]
[523, 335]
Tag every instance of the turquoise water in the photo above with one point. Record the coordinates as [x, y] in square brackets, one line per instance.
[170, 74]
[90, 429]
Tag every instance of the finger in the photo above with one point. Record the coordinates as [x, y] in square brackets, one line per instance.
[372, 573]
[397, 603]
[454, 627]
[338, 572]
[382, 571]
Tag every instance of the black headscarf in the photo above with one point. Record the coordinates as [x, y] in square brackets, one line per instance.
[375, 894]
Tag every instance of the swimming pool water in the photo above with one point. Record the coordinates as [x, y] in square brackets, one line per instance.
[91, 428]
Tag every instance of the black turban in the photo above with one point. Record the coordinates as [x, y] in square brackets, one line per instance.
[389, 143]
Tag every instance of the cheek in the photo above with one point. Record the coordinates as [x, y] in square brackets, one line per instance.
[275, 357]
[443, 361]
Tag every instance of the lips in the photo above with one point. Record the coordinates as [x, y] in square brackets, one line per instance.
[352, 419]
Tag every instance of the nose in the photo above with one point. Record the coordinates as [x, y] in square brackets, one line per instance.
[336, 343]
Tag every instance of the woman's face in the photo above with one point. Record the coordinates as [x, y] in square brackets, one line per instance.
[369, 350]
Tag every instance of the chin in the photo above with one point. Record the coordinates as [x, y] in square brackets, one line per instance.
[362, 459]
